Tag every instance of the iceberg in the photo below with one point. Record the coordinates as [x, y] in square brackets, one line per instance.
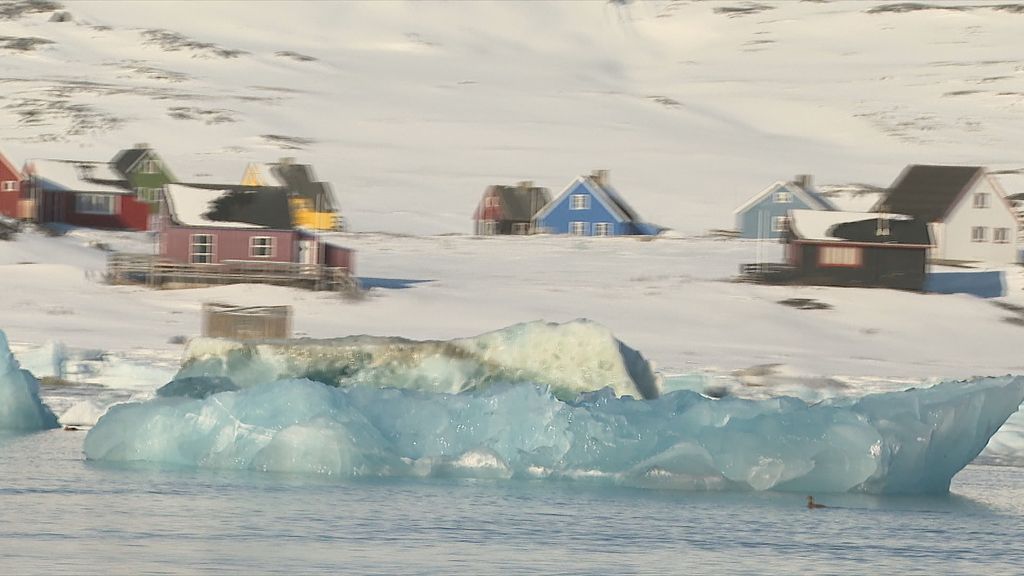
[20, 406]
[569, 358]
[911, 441]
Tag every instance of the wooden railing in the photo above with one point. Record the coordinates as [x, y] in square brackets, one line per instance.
[767, 272]
[124, 268]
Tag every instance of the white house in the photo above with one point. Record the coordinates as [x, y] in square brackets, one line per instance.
[968, 214]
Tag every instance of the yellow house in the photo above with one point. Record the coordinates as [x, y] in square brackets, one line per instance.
[311, 201]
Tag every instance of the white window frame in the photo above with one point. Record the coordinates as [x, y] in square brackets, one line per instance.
[201, 257]
[149, 195]
[260, 249]
[491, 202]
[579, 202]
[520, 228]
[489, 228]
[100, 204]
[979, 234]
[840, 256]
[9, 186]
[602, 228]
[578, 228]
[782, 197]
[981, 199]
[150, 166]
[780, 223]
[1001, 235]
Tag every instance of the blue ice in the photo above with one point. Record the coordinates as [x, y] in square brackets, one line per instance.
[20, 406]
[912, 441]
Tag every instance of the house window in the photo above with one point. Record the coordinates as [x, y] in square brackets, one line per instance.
[578, 228]
[602, 229]
[489, 227]
[95, 204]
[151, 195]
[783, 196]
[579, 202]
[201, 249]
[149, 166]
[847, 256]
[491, 202]
[261, 246]
[9, 185]
[780, 223]
[1001, 235]
[979, 234]
[521, 228]
[981, 199]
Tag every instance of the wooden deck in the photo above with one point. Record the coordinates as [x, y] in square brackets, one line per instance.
[123, 268]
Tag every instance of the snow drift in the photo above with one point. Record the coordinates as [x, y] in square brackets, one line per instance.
[568, 358]
[902, 442]
[20, 406]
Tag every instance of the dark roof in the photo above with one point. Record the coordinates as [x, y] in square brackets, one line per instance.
[614, 196]
[901, 231]
[520, 203]
[258, 205]
[299, 180]
[125, 159]
[928, 192]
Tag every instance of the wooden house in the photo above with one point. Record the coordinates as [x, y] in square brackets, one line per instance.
[13, 203]
[857, 249]
[509, 209]
[216, 226]
[968, 214]
[83, 193]
[590, 206]
[312, 201]
[141, 169]
[765, 215]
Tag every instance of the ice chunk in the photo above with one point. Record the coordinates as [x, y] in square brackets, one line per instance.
[48, 360]
[83, 413]
[20, 406]
[901, 442]
[569, 358]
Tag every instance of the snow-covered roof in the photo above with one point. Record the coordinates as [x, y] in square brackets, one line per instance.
[189, 205]
[78, 176]
[818, 224]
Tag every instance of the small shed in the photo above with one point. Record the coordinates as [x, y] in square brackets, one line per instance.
[246, 322]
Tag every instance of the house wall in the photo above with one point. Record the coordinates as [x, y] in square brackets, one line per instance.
[956, 234]
[158, 179]
[558, 220]
[130, 214]
[880, 266]
[9, 200]
[228, 243]
[484, 214]
[338, 257]
[765, 211]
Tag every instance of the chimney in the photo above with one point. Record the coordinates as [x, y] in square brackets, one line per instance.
[804, 181]
[142, 146]
[525, 184]
[287, 161]
[599, 176]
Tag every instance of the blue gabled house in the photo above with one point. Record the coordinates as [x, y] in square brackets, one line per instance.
[589, 206]
[766, 215]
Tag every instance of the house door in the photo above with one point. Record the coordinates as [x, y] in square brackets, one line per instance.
[307, 252]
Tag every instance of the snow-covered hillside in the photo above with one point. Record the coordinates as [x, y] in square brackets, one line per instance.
[411, 109]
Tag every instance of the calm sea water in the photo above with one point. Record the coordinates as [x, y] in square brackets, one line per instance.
[62, 515]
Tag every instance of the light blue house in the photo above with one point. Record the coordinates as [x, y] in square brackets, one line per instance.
[589, 206]
[766, 215]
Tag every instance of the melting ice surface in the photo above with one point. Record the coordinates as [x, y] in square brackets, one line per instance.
[902, 442]
[20, 406]
[569, 358]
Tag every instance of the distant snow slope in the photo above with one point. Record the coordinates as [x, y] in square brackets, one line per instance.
[411, 109]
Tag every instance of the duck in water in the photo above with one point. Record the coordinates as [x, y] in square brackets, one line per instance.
[811, 504]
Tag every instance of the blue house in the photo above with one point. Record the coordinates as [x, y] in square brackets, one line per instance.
[766, 215]
[589, 206]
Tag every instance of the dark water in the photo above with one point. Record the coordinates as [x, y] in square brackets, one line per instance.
[62, 515]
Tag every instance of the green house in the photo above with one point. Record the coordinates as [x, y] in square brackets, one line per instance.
[145, 172]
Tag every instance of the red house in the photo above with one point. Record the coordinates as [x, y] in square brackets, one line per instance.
[84, 194]
[11, 202]
[235, 224]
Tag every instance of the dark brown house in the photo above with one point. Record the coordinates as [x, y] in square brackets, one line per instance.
[857, 249]
[509, 209]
